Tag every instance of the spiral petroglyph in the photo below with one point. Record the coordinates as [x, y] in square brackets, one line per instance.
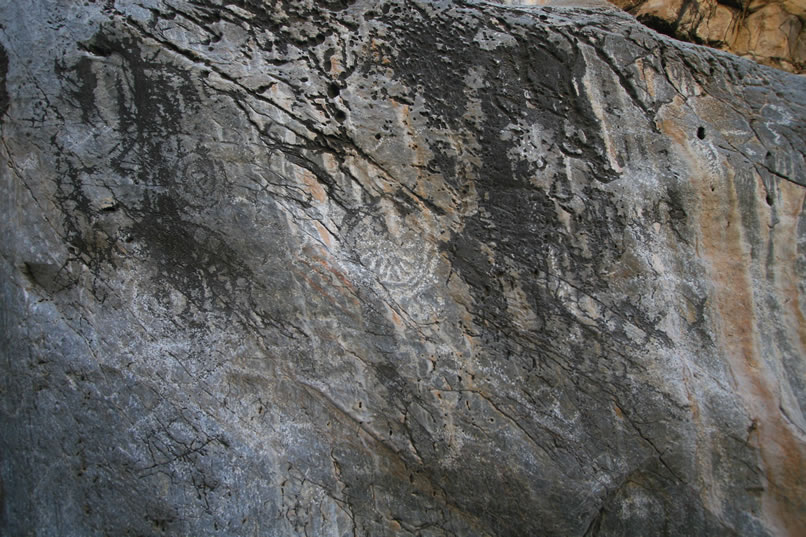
[202, 178]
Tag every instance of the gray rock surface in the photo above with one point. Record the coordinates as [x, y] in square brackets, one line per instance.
[359, 268]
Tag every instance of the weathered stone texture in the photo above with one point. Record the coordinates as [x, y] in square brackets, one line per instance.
[395, 268]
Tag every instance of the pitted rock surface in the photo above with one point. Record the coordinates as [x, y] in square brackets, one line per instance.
[360, 268]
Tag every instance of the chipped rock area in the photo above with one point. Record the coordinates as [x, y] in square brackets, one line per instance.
[772, 32]
[361, 268]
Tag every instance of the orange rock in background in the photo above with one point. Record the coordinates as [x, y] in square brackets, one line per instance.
[767, 31]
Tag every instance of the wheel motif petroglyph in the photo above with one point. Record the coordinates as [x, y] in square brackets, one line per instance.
[400, 260]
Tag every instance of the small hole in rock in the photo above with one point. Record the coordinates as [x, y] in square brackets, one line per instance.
[769, 199]
[701, 133]
[333, 90]
[340, 115]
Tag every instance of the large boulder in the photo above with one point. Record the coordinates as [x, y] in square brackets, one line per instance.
[413, 267]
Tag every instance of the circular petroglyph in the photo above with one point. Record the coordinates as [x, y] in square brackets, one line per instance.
[201, 178]
[400, 259]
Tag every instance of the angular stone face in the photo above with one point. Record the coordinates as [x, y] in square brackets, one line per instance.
[395, 268]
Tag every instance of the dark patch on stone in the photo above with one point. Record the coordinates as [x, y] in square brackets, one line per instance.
[336, 5]
[52, 278]
[660, 25]
[99, 45]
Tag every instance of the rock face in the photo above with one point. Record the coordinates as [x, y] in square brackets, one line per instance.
[395, 268]
[771, 32]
